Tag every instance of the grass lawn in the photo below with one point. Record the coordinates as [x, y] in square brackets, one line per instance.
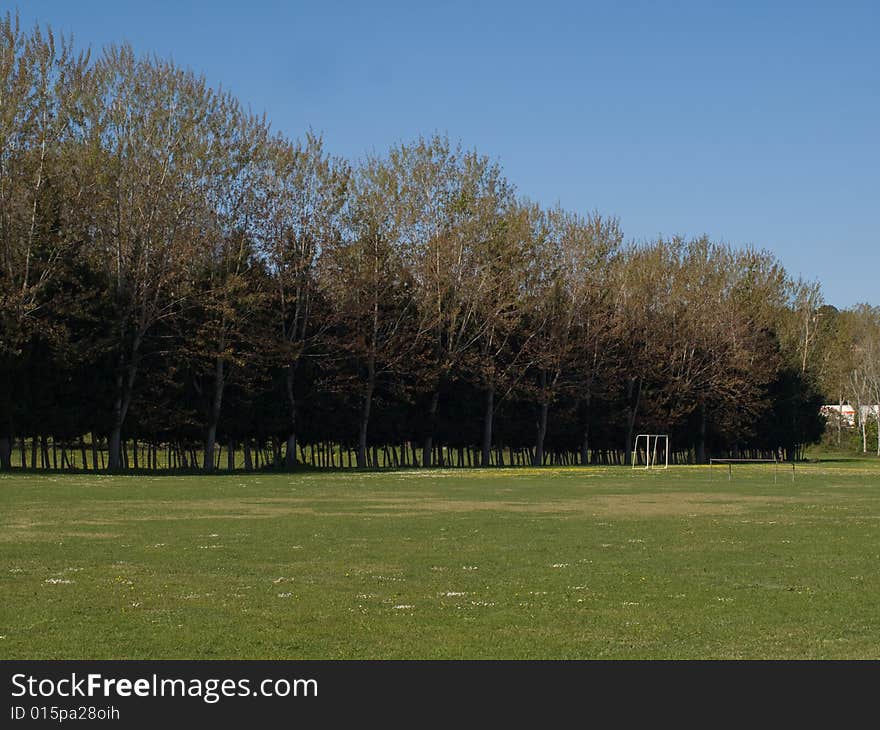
[550, 563]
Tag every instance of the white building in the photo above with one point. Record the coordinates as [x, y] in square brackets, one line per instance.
[847, 413]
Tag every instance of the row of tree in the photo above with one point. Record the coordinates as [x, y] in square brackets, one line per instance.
[176, 274]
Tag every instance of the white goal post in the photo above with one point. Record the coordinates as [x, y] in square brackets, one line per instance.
[651, 443]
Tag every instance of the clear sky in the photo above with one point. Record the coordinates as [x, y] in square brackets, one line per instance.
[753, 122]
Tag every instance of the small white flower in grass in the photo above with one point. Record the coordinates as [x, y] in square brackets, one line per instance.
[285, 595]
[57, 581]
[402, 606]
[453, 594]
[16, 570]
[469, 567]
[559, 565]
[135, 604]
[630, 603]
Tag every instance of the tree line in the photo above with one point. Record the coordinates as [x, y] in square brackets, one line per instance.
[180, 282]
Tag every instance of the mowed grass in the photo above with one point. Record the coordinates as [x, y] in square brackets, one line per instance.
[567, 563]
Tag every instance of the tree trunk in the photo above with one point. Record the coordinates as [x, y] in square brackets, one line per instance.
[214, 415]
[114, 450]
[290, 453]
[365, 415]
[230, 456]
[362, 434]
[487, 426]
[542, 422]
[542, 432]
[114, 443]
[7, 440]
[210, 445]
[432, 425]
[701, 439]
[124, 385]
[248, 462]
[633, 396]
[878, 433]
[585, 442]
[5, 453]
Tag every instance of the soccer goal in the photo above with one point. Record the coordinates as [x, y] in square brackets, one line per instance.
[731, 462]
[653, 448]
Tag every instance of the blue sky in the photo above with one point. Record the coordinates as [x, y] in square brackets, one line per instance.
[753, 122]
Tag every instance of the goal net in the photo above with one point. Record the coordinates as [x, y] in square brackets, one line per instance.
[654, 447]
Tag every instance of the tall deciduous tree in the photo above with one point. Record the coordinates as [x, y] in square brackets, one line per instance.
[568, 304]
[446, 200]
[303, 194]
[42, 87]
[147, 154]
[363, 277]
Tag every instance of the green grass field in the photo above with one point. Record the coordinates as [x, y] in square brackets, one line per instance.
[568, 563]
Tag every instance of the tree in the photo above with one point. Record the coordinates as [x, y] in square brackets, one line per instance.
[304, 192]
[500, 264]
[225, 286]
[147, 154]
[865, 374]
[42, 88]
[365, 282]
[445, 200]
[568, 311]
